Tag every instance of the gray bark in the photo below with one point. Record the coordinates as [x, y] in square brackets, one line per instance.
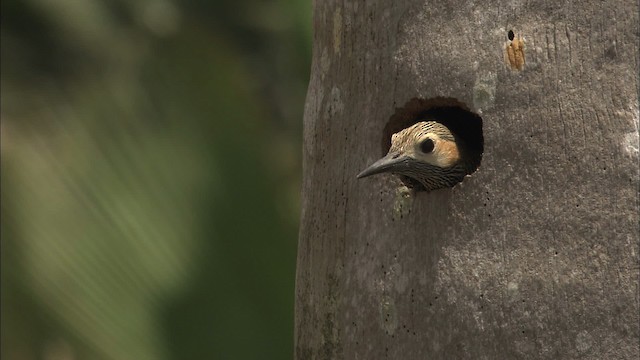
[534, 256]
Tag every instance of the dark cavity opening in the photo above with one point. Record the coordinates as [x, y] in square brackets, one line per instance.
[450, 112]
[510, 35]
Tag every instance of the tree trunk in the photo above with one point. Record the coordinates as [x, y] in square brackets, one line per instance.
[535, 255]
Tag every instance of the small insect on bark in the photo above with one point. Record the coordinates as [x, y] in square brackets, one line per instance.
[514, 51]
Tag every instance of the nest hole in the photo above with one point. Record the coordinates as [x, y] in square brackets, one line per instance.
[452, 113]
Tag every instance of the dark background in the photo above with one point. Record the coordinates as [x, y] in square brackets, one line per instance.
[150, 177]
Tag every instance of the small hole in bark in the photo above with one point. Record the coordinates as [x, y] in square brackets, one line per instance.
[465, 125]
[510, 35]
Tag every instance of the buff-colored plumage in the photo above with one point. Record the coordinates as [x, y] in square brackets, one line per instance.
[427, 154]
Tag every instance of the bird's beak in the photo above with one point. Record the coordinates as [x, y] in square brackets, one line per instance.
[388, 163]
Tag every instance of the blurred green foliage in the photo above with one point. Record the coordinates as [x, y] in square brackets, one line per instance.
[150, 177]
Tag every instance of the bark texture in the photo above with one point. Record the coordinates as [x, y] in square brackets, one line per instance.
[535, 256]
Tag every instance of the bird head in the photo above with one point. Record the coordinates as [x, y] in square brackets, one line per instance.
[426, 152]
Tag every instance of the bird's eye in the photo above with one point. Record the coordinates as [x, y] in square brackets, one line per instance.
[426, 146]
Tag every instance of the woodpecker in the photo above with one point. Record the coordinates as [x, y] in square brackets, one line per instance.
[426, 154]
